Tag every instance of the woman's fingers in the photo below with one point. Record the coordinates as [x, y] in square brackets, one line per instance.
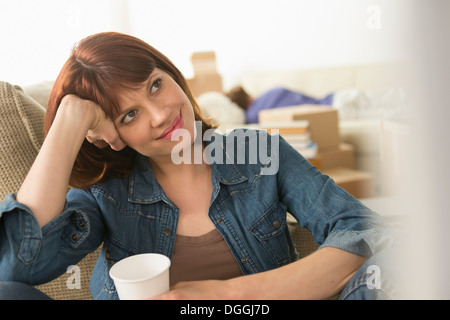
[105, 133]
[113, 139]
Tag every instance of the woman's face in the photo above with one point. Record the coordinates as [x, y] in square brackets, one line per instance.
[150, 115]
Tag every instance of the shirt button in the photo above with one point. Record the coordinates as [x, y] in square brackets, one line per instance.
[219, 220]
[167, 232]
[276, 224]
[74, 237]
[81, 224]
[244, 260]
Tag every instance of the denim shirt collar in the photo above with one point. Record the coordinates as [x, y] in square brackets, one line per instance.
[142, 184]
[143, 187]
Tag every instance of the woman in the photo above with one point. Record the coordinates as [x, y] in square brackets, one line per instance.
[113, 113]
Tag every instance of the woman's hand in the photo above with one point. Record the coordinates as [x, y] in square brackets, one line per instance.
[102, 131]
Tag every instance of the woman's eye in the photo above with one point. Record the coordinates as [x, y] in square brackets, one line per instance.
[156, 85]
[129, 117]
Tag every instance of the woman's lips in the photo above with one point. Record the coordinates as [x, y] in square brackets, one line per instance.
[177, 123]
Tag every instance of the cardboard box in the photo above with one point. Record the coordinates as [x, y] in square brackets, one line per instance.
[206, 77]
[316, 162]
[287, 128]
[343, 156]
[297, 134]
[323, 121]
[204, 62]
[360, 184]
[205, 82]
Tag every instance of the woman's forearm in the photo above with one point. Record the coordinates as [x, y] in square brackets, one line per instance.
[320, 275]
[44, 189]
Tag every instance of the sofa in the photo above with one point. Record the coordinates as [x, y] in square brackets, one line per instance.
[22, 112]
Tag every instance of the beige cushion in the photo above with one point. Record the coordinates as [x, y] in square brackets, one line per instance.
[39, 91]
[302, 238]
[21, 136]
[73, 285]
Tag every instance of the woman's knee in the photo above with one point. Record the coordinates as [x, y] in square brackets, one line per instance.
[11, 290]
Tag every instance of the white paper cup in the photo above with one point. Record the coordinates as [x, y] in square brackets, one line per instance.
[141, 276]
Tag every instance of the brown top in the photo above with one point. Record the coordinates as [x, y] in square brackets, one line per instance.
[202, 258]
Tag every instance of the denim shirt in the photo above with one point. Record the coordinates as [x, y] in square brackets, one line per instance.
[133, 215]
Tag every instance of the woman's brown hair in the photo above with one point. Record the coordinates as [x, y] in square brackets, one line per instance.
[101, 68]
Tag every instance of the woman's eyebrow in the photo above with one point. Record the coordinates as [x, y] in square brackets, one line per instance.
[125, 111]
[147, 86]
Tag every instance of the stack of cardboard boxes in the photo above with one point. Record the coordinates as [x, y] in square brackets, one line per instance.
[297, 134]
[206, 78]
[334, 158]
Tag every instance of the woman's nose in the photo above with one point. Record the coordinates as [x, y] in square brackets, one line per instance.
[159, 115]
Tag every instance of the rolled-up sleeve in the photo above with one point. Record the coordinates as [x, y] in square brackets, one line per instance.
[334, 217]
[35, 255]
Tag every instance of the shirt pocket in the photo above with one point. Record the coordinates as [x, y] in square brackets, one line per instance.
[270, 231]
[77, 230]
[114, 252]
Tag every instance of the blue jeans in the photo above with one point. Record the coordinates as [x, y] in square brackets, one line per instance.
[10, 290]
[375, 280]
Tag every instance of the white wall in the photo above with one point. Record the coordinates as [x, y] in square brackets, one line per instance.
[254, 35]
[247, 35]
[38, 35]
